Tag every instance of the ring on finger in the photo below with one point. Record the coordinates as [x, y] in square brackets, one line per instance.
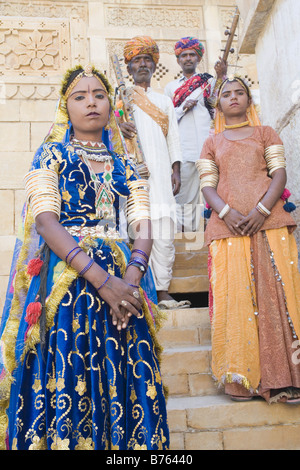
[136, 294]
[124, 303]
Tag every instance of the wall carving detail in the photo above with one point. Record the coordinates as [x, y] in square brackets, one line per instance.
[154, 17]
[41, 38]
[33, 47]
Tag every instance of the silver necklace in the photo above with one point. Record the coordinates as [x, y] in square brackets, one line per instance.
[95, 151]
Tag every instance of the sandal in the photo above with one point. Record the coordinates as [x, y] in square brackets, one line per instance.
[240, 399]
[173, 304]
[293, 401]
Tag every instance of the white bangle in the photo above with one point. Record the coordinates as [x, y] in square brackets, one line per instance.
[263, 210]
[224, 211]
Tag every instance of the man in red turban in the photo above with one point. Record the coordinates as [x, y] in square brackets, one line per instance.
[193, 98]
[189, 43]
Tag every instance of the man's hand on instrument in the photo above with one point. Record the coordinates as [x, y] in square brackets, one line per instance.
[189, 105]
[221, 68]
[128, 130]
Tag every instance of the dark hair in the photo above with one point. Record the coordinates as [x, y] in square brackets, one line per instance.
[72, 74]
[235, 79]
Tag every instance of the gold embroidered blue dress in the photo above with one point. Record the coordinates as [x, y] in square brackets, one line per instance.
[91, 386]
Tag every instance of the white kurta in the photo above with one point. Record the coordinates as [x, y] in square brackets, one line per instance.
[194, 126]
[160, 154]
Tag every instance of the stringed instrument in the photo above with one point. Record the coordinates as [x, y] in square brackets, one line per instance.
[125, 95]
[228, 49]
[231, 33]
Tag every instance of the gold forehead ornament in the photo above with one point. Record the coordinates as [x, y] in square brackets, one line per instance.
[87, 72]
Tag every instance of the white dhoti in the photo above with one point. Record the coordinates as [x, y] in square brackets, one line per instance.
[163, 252]
[188, 200]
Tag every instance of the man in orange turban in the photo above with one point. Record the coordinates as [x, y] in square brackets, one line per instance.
[141, 45]
[157, 129]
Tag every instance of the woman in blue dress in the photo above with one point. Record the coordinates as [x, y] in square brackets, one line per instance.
[79, 357]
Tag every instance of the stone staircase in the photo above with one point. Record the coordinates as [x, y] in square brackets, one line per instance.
[200, 416]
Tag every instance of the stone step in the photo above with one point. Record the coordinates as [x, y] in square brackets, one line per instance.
[190, 265]
[217, 423]
[186, 318]
[186, 371]
[185, 327]
[183, 285]
[185, 337]
[189, 241]
[190, 385]
[174, 337]
[191, 259]
[186, 360]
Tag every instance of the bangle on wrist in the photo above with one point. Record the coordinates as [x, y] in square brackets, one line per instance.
[73, 249]
[87, 267]
[78, 250]
[224, 211]
[138, 265]
[141, 253]
[108, 276]
[263, 210]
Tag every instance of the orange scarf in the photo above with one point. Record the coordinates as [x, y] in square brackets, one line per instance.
[141, 99]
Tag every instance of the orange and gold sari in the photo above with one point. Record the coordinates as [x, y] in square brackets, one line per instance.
[255, 313]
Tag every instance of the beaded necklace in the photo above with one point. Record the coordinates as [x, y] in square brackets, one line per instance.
[97, 151]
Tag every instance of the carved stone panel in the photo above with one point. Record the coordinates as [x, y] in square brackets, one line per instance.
[154, 16]
[41, 38]
[33, 47]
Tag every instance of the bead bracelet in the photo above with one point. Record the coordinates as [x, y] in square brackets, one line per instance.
[108, 276]
[141, 253]
[73, 249]
[87, 267]
[74, 254]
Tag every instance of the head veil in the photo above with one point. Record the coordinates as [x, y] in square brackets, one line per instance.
[252, 114]
[61, 130]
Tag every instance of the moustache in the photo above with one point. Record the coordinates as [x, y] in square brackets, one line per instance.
[143, 69]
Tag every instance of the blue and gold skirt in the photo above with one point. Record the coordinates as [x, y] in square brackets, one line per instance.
[91, 387]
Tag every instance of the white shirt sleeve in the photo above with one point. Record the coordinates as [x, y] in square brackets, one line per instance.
[173, 139]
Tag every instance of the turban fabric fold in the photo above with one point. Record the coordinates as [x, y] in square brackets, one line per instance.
[141, 45]
[189, 43]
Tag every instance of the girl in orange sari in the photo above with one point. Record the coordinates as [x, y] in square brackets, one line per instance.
[254, 278]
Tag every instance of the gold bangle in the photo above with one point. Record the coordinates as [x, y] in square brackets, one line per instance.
[41, 186]
[209, 181]
[206, 166]
[275, 158]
